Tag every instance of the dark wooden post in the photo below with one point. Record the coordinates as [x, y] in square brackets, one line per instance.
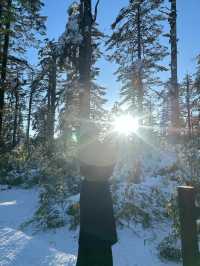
[188, 216]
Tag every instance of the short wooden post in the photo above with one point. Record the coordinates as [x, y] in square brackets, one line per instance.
[189, 240]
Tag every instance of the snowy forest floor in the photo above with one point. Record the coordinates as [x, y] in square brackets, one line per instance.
[58, 247]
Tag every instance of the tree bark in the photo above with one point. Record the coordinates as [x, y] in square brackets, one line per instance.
[4, 68]
[188, 105]
[34, 85]
[174, 92]
[52, 97]
[1, 10]
[29, 119]
[16, 115]
[85, 63]
[1, 35]
[139, 52]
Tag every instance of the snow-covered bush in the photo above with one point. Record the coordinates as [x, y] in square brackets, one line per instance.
[16, 169]
[60, 180]
[170, 249]
[143, 203]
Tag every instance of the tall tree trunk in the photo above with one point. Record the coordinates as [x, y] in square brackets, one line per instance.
[51, 99]
[47, 126]
[1, 7]
[1, 28]
[174, 92]
[1, 38]
[139, 67]
[29, 119]
[1, 11]
[150, 113]
[16, 115]
[53, 96]
[4, 67]
[188, 105]
[85, 64]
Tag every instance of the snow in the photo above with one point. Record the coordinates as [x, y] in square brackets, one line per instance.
[138, 249]
[19, 247]
[72, 33]
[151, 160]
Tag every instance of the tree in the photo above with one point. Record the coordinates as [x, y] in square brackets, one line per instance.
[197, 86]
[136, 49]
[68, 57]
[19, 20]
[47, 88]
[85, 61]
[4, 60]
[52, 86]
[80, 41]
[16, 122]
[188, 100]
[174, 90]
[97, 102]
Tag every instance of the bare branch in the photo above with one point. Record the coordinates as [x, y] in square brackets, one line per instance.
[160, 94]
[123, 13]
[96, 10]
[164, 12]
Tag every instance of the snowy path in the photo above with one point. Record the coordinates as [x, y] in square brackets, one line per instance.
[59, 247]
[21, 249]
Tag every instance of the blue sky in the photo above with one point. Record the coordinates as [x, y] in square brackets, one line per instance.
[188, 34]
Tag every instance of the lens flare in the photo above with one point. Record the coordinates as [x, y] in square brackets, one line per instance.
[126, 124]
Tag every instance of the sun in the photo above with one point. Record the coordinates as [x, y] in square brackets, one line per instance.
[126, 124]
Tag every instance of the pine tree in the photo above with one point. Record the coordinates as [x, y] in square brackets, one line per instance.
[174, 90]
[81, 46]
[4, 59]
[68, 51]
[18, 23]
[197, 86]
[187, 93]
[85, 59]
[165, 109]
[19, 106]
[197, 75]
[97, 102]
[45, 115]
[137, 51]
[35, 79]
[15, 102]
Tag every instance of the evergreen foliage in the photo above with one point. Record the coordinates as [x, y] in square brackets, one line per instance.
[44, 108]
[135, 47]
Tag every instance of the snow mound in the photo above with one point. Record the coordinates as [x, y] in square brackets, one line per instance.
[19, 249]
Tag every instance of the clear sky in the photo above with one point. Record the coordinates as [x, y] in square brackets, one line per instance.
[188, 34]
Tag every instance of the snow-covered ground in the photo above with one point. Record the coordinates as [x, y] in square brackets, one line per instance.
[136, 247]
